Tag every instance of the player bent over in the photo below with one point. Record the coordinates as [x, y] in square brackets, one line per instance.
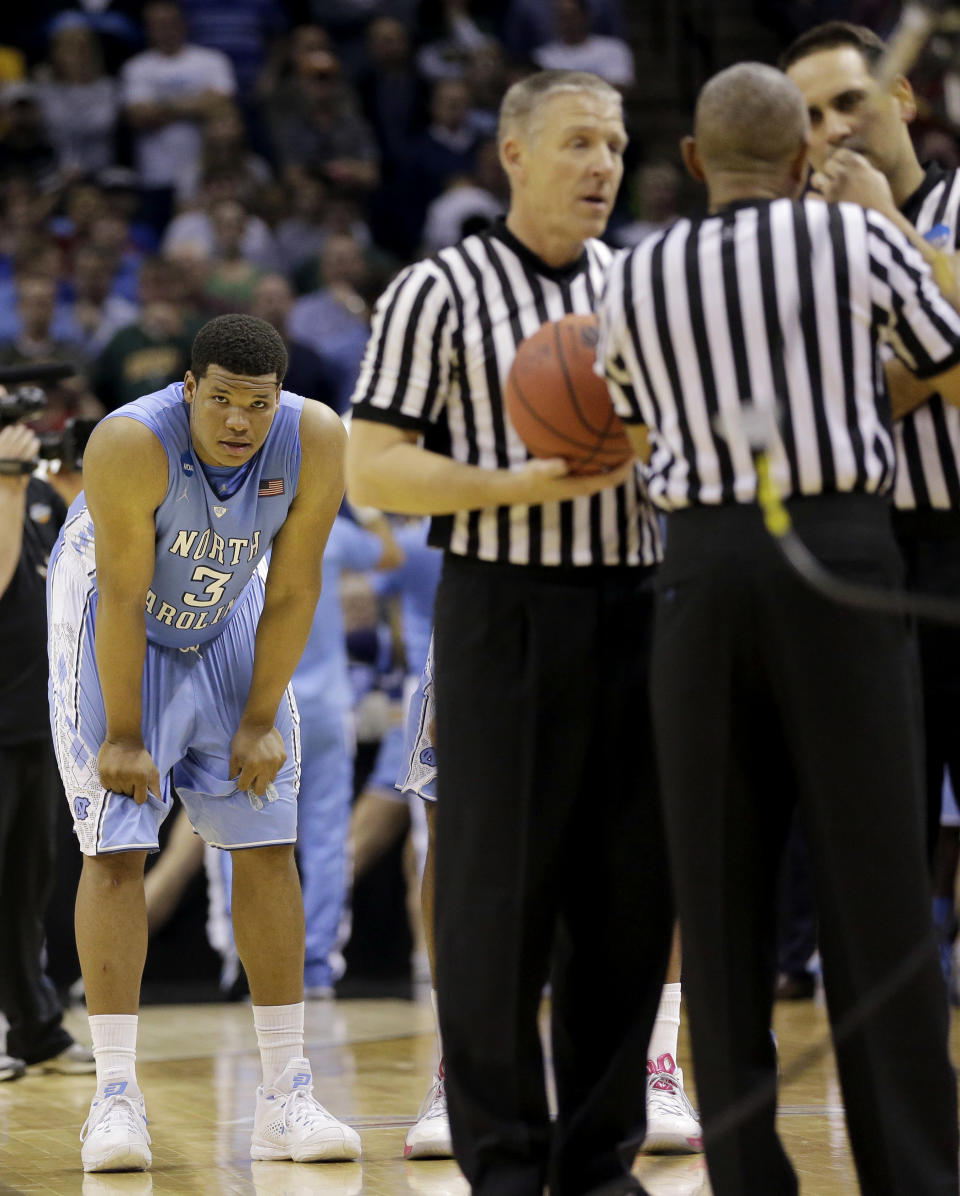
[170, 661]
[672, 1125]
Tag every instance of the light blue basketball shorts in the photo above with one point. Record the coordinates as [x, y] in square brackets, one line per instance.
[419, 772]
[192, 702]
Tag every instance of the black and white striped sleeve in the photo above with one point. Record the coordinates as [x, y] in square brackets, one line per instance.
[921, 327]
[612, 349]
[406, 367]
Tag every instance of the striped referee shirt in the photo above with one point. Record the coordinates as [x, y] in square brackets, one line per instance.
[928, 439]
[782, 305]
[444, 335]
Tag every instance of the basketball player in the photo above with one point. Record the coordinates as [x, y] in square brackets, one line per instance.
[170, 661]
[549, 844]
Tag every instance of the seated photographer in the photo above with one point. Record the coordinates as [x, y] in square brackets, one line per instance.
[31, 513]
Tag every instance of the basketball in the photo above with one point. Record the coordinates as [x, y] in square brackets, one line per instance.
[558, 405]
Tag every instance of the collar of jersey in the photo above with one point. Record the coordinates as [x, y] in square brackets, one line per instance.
[557, 273]
[226, 480]
[933, 174]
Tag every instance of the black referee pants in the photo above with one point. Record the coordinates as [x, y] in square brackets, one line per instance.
[30, 797]
[930, 543]
[766, 694]
[550, 863]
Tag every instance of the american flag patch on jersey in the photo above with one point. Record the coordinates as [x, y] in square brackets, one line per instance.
[270, 487]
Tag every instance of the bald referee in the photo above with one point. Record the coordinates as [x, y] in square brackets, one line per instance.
[765, 694]
[550, 857]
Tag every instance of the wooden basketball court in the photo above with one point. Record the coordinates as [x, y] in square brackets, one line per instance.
[372, 1063]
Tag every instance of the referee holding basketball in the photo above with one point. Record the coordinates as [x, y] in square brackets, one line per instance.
[765, 694]
[550, 856]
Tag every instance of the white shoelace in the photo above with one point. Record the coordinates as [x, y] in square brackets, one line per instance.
[665, 1097]
[434, 1104]
[303, 1107]
[122, 1109]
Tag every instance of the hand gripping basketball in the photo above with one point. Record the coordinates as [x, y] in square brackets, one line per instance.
[558, 405]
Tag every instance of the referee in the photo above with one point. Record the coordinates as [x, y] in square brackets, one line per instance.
[831, 63]
[550, 856]
[766, 695]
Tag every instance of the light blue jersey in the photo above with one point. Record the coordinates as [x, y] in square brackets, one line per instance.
[214, 527]
[208, 543]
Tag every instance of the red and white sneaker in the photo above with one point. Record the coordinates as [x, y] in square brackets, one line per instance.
[429, 1137]
[290, 1123]
[672, 1123]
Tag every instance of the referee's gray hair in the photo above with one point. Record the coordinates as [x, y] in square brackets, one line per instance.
[525, 98]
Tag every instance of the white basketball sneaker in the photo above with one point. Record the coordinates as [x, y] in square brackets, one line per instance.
[291, 1124]
[115, 1136]
[672, 1123]
[429, 1137]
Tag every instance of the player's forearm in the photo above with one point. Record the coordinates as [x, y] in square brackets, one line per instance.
[121, 643]
[281, 638]
[413, 481]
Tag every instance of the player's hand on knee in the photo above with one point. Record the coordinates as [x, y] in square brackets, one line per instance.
[257, 754]
[127, 767]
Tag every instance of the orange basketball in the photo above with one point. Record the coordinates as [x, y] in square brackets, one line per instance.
[558, 405]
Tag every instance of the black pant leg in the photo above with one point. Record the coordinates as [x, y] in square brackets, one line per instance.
[728, 802]
[28, 806]
[510, 749]
[854, 730]
[616, 916]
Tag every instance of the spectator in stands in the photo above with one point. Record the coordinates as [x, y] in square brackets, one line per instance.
[25, 149]
[318, 127]
[36, 334]
[334, 320]
[307, 373]
[111, 233]
[446, 149]
[149, 353]
[96, 313]
[532, 23]
[232, 278]
[470, 202]
[80, 103]
[195, 226]
[168, 89]
[301, 232]
[450, 37]
[577, 48]
[488, 78]
[392, 92]
[243, 30]
[655, 193]
[227, 151]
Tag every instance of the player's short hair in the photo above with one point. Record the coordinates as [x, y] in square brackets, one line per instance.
[831, 35]
[525, 98]
[241, 344]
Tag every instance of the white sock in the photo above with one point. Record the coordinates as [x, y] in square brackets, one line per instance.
[662, 1051]
[436, 1021]
[279, 1036]
[114, 1037]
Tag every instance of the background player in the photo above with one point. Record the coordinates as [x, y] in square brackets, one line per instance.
[170, 662]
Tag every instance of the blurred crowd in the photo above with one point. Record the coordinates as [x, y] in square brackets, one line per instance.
[161, 163]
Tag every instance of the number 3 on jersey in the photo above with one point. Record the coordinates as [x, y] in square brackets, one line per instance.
[215, 588]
